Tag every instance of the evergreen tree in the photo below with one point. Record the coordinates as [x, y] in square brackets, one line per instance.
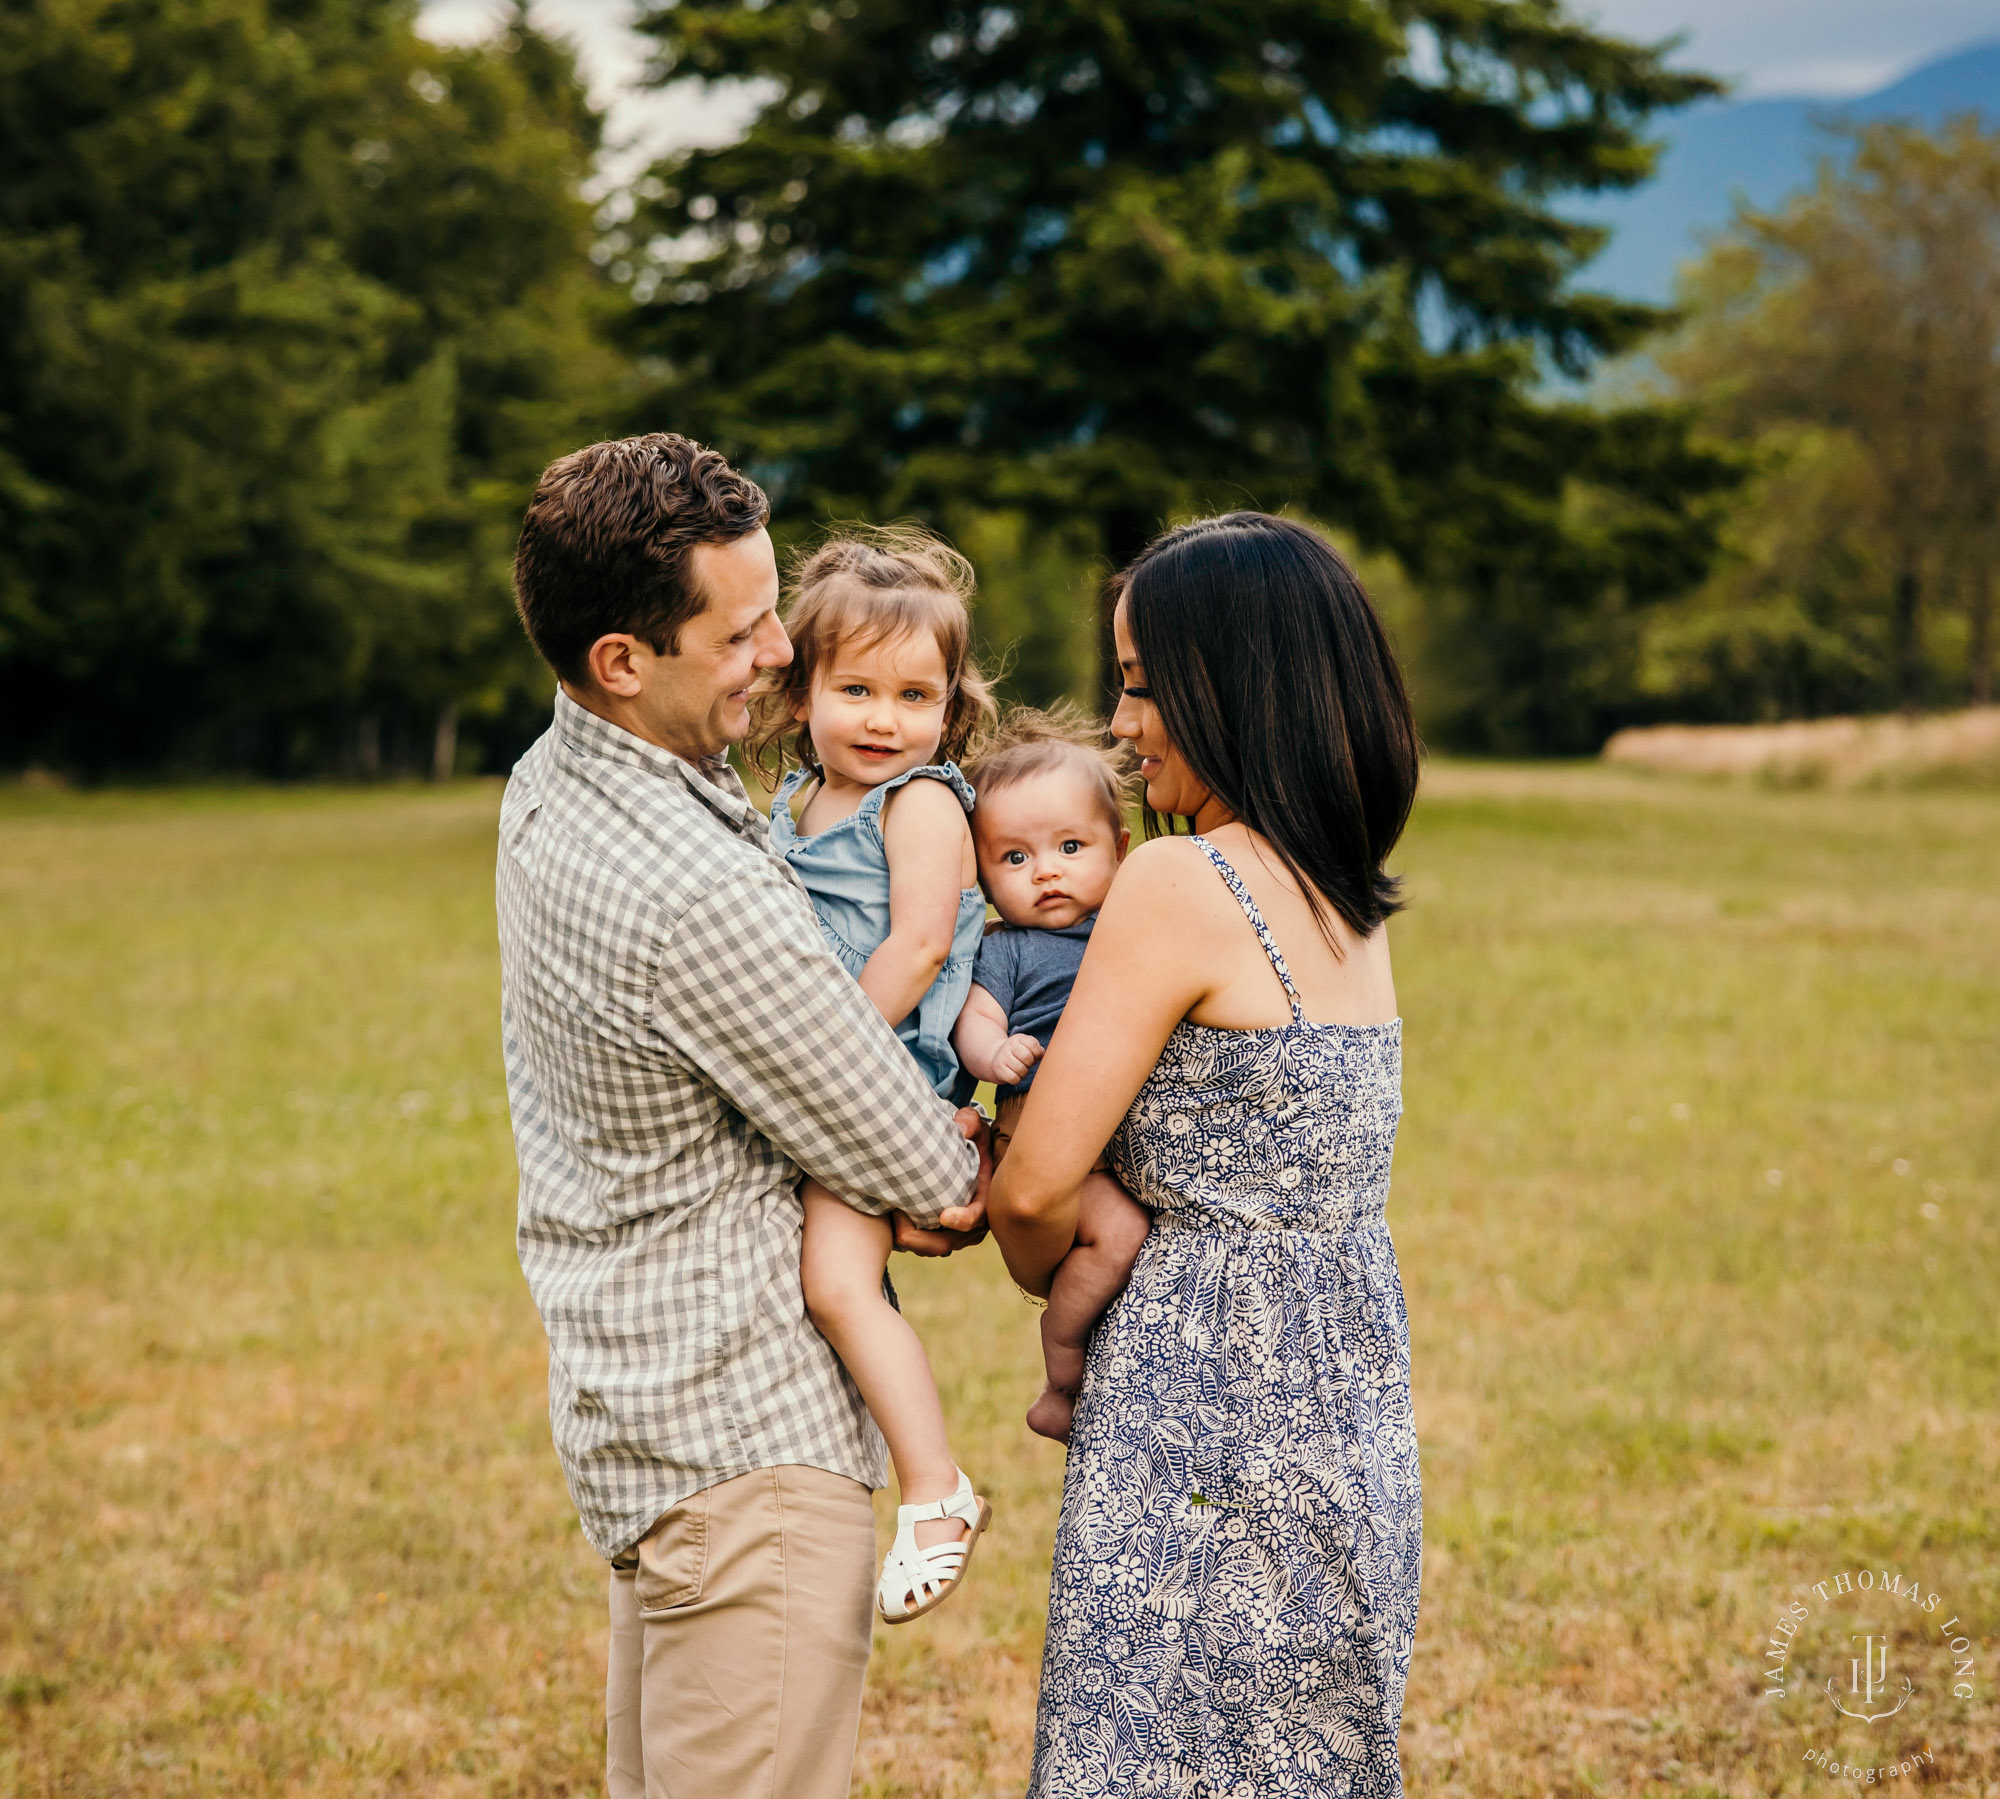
[293, 306]
[1117, 263]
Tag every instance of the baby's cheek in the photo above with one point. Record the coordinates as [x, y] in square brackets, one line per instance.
[1001, 884]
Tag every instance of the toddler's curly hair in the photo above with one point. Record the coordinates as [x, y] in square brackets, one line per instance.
[1031, 741]
[866, 586]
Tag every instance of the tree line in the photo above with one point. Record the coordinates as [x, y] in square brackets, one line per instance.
[295, 305]
[1846, 343]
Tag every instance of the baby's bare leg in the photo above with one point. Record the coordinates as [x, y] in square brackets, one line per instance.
[841, 1267]
[1110, 1227]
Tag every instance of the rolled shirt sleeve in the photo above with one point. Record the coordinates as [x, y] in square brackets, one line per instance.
[750, 997]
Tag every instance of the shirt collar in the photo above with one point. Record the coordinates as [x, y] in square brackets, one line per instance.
[1080, 929]
[712, 781]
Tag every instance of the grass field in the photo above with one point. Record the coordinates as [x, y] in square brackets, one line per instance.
[1696, 1204]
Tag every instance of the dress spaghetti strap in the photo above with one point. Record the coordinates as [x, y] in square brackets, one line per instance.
[1234, 882]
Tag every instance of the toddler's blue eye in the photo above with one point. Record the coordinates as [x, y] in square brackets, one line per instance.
[1071, 846]
[1015, 858]
[854, 689]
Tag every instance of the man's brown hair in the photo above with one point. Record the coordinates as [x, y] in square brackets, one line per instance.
[605, 544]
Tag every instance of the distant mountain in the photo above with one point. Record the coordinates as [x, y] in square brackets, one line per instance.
[1761, 150]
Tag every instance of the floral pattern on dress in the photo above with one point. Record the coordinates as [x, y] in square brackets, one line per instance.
[1234, 1596]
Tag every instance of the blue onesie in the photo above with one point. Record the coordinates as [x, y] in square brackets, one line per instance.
[1030, 972]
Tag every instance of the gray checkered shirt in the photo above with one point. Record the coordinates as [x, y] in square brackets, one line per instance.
[679, 1045]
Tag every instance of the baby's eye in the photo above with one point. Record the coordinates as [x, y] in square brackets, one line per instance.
[1071, 845]
[855, 691]
[915, 696]
[1015, 858]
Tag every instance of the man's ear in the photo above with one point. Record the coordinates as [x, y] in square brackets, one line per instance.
[616, 664]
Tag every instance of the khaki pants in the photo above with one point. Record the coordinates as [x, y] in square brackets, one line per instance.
[739, 1642]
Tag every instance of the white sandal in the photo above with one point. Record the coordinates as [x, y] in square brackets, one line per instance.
[930, 1574]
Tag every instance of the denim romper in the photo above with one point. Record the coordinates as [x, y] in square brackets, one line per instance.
[845, 869]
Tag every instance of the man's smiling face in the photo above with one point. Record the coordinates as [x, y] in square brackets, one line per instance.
[694, 700]
[734, 636]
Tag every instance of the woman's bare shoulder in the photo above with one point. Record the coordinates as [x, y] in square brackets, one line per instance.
[1169, 858]
[1167, 877]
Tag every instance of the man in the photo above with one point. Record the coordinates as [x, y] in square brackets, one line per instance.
[679, 1046]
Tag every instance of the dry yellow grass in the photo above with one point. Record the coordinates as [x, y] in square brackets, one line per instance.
[280, 1513]
[1891, 751]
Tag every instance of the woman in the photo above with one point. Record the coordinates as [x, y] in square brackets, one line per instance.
[1234, 1594]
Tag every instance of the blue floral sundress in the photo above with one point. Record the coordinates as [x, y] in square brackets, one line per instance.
[1234, 1597]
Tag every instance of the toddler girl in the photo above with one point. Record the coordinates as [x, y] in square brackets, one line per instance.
[1050, 833]
[880, 695]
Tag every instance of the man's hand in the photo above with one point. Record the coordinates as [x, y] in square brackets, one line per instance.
[962, 1226]
[1014, 1058]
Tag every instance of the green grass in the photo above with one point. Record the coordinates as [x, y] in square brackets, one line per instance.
[1686, 1066]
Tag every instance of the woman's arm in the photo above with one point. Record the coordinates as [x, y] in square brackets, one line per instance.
[1150, 961]
[927, 839]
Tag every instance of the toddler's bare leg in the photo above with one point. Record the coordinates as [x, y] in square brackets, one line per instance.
[841, 1267]
[1110, 1227]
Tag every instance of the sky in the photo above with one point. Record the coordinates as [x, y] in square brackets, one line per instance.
[1820, 47]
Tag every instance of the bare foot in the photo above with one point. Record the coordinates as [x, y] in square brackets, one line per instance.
[1051, 1414]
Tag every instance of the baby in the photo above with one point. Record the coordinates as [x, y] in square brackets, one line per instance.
[1050, 832]
[881, 693]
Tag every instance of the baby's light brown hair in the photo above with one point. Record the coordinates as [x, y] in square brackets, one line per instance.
[868, 586]
[1030, 741]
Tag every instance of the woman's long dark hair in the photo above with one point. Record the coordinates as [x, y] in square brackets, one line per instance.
[1275, 681]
